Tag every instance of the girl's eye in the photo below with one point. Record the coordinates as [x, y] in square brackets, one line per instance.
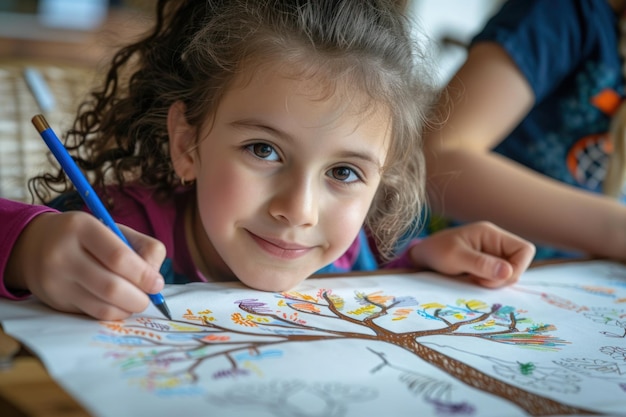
[263, 151]
[344, 174]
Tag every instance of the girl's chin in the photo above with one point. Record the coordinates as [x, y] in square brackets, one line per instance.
[273, 282]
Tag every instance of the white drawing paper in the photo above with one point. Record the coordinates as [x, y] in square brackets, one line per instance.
[396, 344]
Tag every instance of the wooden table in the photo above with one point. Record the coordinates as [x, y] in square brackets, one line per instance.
[26, 390]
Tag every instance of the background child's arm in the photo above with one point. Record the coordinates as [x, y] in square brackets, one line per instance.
[469, 182]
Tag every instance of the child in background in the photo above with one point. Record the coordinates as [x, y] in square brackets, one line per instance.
[525, 141]
[252, 141]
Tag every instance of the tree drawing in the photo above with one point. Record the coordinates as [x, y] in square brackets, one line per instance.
[600, 368]
[169, 353]
[610, 317]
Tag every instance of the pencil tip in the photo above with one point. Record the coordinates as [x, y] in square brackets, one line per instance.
[165, 310]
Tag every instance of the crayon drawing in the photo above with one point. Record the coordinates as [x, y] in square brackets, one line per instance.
[554, 344]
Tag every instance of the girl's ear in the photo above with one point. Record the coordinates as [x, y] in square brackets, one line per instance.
[182, 138]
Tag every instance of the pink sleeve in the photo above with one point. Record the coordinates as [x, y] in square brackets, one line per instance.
[14, 217]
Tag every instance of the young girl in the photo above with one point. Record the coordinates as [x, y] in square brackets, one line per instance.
[527, 137]
[254, 140]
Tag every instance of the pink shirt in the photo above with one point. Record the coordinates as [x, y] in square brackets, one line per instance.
[14, 217]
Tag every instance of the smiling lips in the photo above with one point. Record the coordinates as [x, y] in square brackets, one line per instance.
[280, 248]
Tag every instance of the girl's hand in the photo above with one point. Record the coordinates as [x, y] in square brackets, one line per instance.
[486, 253]
[74, 263]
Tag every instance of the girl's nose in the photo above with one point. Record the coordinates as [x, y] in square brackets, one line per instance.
[296, 201]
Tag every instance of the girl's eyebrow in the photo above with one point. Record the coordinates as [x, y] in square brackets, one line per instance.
[368, 157]
[260, 125]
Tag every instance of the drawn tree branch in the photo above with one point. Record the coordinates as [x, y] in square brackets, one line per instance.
[175, 349]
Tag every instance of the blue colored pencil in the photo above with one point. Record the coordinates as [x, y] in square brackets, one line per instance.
[87, 192]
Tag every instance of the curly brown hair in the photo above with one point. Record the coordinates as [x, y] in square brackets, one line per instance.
[197, 47]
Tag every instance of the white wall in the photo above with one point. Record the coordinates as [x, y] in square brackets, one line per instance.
[459, 19]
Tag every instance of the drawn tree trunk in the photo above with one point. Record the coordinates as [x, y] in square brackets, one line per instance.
[533, 404]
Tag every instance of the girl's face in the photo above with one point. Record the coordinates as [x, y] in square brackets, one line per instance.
[285, 177]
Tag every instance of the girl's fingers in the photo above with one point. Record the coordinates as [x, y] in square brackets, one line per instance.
[86, 302]
[69, 295]
[507, 256]
[488, 254]
[150, 249]
[88, 276]
[110, 288]
[483, 265]
[113, 254]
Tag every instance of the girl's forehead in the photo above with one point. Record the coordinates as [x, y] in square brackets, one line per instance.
[302, 104]
[313, 81]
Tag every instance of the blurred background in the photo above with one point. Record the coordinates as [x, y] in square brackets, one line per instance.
[51, 51]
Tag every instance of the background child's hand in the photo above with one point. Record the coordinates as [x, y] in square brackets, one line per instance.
[488, 254]
[74, 263]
